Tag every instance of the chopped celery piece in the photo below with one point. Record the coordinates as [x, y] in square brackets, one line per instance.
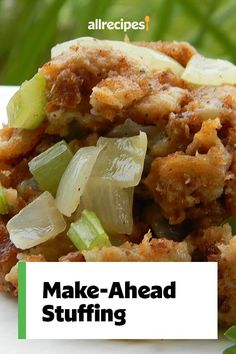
[3, 201]
[87, 232]
[26, 108]
[48, 167]
[231, 333]
[232, 223]
[231, 350]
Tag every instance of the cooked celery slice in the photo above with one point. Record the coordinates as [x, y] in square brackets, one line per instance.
[3, 201]
[231, 333]
[230, 350]
[26, 108]
[48, 167]
[87, 232]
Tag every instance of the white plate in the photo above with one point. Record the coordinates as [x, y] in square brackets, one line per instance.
[8, 323]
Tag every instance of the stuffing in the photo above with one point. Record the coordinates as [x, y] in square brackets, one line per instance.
[180, 181]
[149, 250]
[12, 276]
[217, 244]
[18, 142]
[8, 259]
[188, 184]
[111, 88]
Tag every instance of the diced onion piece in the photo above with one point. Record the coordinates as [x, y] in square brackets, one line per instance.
[3, 201]
[153, 59]
[121, 160]
[146, 57]
[48, 167]
[74, 179]
[87, 232]
[26, 108]
[82, 42]
[38, 222]
[112, 205]
[212, 72]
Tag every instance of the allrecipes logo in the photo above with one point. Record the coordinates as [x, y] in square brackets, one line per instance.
[122, 25]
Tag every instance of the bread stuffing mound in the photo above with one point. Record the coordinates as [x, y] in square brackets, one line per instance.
[187, 190]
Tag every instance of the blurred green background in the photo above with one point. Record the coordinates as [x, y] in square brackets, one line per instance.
[29, 28]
